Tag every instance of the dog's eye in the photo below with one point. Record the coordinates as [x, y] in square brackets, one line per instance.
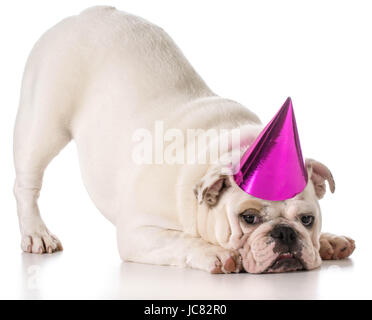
[250, 219]
[251, 216]
[307, 220]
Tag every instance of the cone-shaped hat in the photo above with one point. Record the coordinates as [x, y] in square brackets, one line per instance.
[273, 167]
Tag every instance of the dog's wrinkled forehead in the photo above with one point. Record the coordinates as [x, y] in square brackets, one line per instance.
[304, 202]
[218, 191]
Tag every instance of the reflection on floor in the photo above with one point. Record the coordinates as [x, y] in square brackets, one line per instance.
[104, 276]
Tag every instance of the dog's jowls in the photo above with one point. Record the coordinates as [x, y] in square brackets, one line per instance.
[98, 77]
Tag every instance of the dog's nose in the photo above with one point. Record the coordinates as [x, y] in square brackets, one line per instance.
[285, 234]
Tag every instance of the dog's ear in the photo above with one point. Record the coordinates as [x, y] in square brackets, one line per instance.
[319, 173]
[211, 187]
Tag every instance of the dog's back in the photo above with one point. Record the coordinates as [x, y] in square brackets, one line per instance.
[95, 51]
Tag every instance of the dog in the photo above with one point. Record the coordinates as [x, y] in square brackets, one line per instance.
[98, 78]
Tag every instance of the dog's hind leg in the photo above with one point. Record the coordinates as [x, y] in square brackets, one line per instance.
[40, 133]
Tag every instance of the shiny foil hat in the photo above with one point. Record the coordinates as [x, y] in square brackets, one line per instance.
[273, 168]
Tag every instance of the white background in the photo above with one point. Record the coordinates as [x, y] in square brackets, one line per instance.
[255, 52]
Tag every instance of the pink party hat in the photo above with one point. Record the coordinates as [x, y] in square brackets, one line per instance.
[273, 168]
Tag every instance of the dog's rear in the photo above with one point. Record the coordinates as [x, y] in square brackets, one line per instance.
[89, 66]
[56, 76]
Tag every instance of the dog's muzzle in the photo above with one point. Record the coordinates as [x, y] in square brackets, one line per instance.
[289, 258]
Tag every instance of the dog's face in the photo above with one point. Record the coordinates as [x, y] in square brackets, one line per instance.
[271, 236]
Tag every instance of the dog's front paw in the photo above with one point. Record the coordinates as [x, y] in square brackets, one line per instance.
[215, 259]
[226, 261]
[333, 247]
[40, 242]
[229, 263]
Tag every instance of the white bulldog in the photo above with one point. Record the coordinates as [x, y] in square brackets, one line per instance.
[101, 76]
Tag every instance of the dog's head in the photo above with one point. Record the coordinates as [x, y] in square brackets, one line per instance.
[271, 236]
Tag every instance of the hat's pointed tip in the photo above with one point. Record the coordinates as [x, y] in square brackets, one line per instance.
[288, 102]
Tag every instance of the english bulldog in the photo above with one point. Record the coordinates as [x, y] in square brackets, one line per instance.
[102, 78]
